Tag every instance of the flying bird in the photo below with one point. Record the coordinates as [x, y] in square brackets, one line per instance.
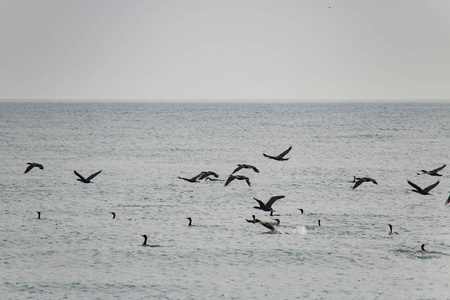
[432, 172]
[193, 179]
[268, 205]
[32, 165]
[244, 166]
[391, 231]
[204, 175]
[86, 180]
[359, 181]
[279, 156]
[425, 191]
[268, 225]
[254, 220]
[238, 177]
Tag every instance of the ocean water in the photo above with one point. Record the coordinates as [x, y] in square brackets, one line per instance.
[77, 251]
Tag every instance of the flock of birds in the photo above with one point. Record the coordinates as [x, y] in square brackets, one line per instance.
[267, 206]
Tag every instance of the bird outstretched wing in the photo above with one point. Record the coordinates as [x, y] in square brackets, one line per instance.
[429, 188]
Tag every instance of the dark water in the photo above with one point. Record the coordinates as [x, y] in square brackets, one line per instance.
[76, 249]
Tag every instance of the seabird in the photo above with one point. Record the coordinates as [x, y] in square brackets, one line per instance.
[279, 156]
[424, 191]
[432, 172]
[268, 225]
[238, 177]
[319, 221]
[268, 205]
[39, 214]
[212, 179]
[114, 214]
[423, 248]
[359, 181]
[86, 180]
[193, 179]
[276, 223]
[32, 165]
[301, 210]
[391, 230]
[190, 221]
[145, 241]
[244, 166]
[204, 175]
[254, 220]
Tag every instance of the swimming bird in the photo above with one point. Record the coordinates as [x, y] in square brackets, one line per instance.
[424, 191]
[391, 231]
[254, 220]
[432, 172]
[193, 179]
[39, 214]
[320, 222]
[244, 166]
[423, 247]
[359, 181]
[190, 221]
[86, 180]
[204, 175]
[238, 177]
[448, 200]
[114, 214]
[301, 210]
[268, 225]
[32, 165]
[279, 156]
[268, 205]
[145, 241]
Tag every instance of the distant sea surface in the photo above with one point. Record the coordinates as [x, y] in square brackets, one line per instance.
[78, 251]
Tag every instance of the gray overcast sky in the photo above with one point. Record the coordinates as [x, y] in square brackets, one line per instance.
[219, 50]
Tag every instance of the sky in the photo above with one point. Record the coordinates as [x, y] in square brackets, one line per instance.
[211, 50]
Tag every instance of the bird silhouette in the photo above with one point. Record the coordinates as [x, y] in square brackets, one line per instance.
[425, 191]
[432, 172]
[32, 165]
[391, 231]
[86, 180]
[267, 206]
[244, 166]
[238, 177]
[279, 156]
[359, 181]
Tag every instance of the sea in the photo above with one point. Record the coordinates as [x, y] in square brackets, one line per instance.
[77, 250]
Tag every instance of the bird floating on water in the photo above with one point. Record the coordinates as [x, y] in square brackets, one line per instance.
[190, 221]
[359, 181]
[425, 191]
[301, 210]
[145, 241]
[39, 214]
[391, 230]
[279, 156]
[113, 214]
[244, 166]
[86, 180]
[238, 177]
[267, 206]
[32, 165]
[320, 222]
[432, 172]
[423, 247]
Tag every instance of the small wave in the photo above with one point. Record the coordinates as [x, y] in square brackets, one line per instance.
[300, 230]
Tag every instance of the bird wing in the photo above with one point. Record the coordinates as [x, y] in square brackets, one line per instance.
[373, 180]
[268, 225]
[255, 169]
[203, 175]
[285, 152]
[93, 175]
[79, 175]
[358, 183]
[248, 181]
[438, 169]
[429, 188]
[237, 169]
[272, 200]
[197, 177]
[418, 188]
[269, 156]
[31, 166]
[448, 200]
[230, 179]
[261, 204]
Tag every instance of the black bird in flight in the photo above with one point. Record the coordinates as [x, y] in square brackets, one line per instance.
[86, 180]
[425, 191]
[268, 205]
[238, 177]
[279, 156]
[32, 165]
[432, 172]
[359, 181]
[244, 166]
